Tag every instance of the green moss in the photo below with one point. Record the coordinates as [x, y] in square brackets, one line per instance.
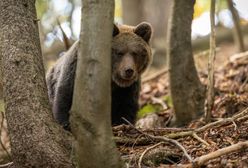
[147, 109]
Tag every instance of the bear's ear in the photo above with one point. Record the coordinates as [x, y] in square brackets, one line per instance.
[115, 30]
[144, 30]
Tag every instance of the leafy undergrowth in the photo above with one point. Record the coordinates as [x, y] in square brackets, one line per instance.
[153, 143]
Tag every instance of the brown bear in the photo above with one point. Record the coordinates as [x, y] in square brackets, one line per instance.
[131, 54]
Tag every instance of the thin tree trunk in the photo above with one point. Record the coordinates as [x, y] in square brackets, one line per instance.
[210, 89]
[91, 109]
[187, 92]
[36, 141]
[237, 30]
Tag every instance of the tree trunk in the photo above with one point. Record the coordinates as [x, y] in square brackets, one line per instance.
[90, 115]
[187, 92]
[36, 141]
[132, 11]
[237, 30]
[211, 60]
[157, 13]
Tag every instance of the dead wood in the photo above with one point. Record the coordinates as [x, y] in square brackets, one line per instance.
[198, 162]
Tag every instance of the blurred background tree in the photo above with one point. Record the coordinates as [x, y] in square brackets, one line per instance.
[67, 14]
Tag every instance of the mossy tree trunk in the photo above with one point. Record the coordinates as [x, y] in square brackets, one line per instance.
[36, 141]
[90, 114]
[187, 92]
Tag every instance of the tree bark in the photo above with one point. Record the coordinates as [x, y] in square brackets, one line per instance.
[91, 109]
[187, 92]
[36, 141]
[132, 11]
[211, 59]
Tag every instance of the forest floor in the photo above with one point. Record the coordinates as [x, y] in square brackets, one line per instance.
[221, 143]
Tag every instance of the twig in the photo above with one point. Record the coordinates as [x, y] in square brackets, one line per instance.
[164, 139]
[133, 149]
[155, 75]
[211, 58]
[243, 85]
[199, 139]
[65, 38]
[224, 151]
[147, 150]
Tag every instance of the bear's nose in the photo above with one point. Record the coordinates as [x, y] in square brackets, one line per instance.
[129, 73]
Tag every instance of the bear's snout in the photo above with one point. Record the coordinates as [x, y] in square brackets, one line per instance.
[127, 67]
[129, 73]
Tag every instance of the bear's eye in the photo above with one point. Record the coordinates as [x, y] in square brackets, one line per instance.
[134, 53]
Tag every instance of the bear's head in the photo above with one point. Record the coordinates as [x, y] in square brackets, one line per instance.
[131, 53]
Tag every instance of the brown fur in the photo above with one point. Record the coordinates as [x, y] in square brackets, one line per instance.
[133, 51]
[131, 54]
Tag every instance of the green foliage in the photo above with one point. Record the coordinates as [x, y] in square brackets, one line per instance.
[202, 6]
[153, 108]
[222, 4]
[41, 7]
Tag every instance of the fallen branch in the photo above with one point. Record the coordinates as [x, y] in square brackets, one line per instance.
[220, 152]
[243, 55]
[239, 116]
[130, 141]
[156, 155]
